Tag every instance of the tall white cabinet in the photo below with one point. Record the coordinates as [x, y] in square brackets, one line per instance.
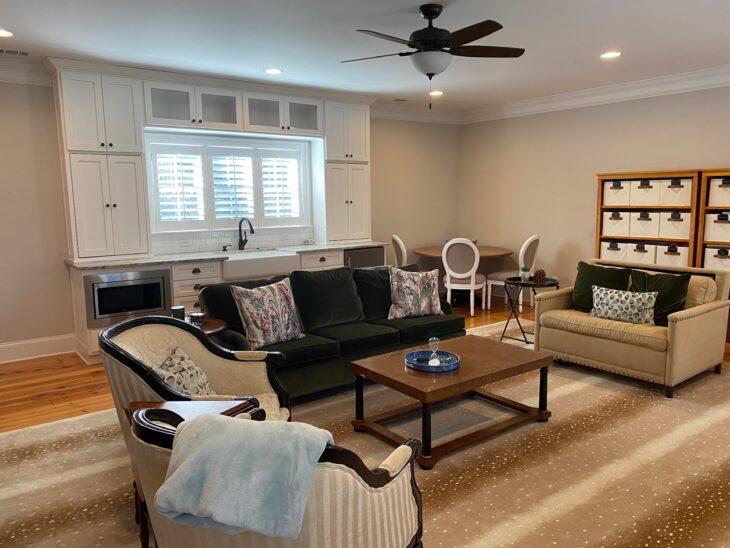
[347, 132]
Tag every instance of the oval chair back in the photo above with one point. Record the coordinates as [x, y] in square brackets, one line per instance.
[399, 250]
[528, 252]
[461, 260]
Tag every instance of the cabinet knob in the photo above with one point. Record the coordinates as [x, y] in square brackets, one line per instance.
[114, 205]
[107, 205]
[111, 144]
[200, 121]
[193, 120]
[102, 144]
[322, 259]
[195, 271]
[196, 286]
[282, 127]
[287, 127]
[197, 304]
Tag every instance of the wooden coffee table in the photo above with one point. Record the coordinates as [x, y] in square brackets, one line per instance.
[483, 361]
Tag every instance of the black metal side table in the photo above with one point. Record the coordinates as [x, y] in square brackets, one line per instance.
[519, 285]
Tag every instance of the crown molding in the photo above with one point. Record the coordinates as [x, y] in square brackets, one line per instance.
[686, 82]
[22, 71]
[410, 114]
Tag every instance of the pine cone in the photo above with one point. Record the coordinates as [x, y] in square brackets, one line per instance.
[539, 276]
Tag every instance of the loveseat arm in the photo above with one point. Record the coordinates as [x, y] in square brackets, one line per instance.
[696, 340]
[550, 300]
[400, 457]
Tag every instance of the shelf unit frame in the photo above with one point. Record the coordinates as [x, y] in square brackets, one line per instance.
[706, 176]
[693, 174]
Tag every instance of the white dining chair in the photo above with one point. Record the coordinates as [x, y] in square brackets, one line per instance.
[461, 261]
[528, 252]
[399, 251]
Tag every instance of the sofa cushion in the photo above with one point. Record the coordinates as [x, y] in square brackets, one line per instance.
[359, 335]
[701, 290]
[671, 291]
[326, 297]
[649, 336]
[218, 302]
[590, 275]
[623, 306]
[373, 288]
[310, 348]
[412, 329]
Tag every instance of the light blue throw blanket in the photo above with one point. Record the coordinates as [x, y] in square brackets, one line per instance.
[236, 475]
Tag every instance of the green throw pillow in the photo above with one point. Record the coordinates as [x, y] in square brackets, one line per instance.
[672, 289]
[590, 275]
[326, 297]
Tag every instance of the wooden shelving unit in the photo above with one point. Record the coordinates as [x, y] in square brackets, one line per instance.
[714, 200]
[650, 184]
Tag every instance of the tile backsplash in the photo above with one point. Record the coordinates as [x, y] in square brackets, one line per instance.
[192, 242]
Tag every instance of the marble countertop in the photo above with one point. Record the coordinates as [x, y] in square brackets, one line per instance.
[314, 248]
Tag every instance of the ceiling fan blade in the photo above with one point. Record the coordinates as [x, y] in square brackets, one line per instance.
[474, 32]
[384, 36]
[486, 51]
[376, 57]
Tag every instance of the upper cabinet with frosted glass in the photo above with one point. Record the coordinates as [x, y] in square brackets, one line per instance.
[264, 113]
[180, 105]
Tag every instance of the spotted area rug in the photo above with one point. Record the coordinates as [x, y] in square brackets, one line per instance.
[617, 465]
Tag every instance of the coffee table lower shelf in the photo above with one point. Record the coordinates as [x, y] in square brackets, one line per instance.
[430, 454]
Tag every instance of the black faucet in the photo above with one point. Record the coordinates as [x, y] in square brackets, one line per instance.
[242, 235]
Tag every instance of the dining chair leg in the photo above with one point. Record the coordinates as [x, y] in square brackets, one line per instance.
[489, 296]
[448, 295]
[484, 295]
[471, 301]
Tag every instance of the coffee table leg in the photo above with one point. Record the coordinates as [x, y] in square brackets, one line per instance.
[543, 391]
[425, 460]
[359, 400]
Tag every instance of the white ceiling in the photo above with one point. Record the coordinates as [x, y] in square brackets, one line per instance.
[308, 38]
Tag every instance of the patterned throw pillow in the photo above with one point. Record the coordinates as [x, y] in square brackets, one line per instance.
[413, 294]
[623, 306]
[268, 313]
[178, 371]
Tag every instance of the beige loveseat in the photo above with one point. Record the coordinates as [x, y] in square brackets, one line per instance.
[694, 340]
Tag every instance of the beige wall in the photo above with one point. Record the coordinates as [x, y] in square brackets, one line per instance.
[414, 182]
[36, 294]
[536, 174]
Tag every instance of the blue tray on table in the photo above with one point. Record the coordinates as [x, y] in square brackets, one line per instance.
[418, 359]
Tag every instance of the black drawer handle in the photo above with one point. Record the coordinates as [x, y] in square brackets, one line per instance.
[322, 259]
[196, 271]
[196, 286]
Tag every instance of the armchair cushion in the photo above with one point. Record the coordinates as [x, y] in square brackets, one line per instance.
[373, 287]
[181, 373]
[326, 297]
[590, 275]
[671, 289]
[309, 348]
[413, 329]
[359, 335]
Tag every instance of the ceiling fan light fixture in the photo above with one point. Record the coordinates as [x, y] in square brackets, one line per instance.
[431, 63]
[435, 93]
[273, 71]
[4, 33]
[611, 55]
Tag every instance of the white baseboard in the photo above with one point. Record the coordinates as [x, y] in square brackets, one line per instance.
[37, 348]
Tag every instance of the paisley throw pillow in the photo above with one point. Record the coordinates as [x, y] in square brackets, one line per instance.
[181, 373]
[268, 313]
[413, 294]
[623, 306]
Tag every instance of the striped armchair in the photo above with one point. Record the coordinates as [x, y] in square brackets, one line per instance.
[349, 506]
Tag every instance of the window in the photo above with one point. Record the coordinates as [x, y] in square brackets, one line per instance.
[206, 183]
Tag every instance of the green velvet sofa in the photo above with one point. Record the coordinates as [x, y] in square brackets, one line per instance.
[344, 315]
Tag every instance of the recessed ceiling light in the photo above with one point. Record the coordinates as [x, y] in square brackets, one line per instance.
[273, 71]
[5, 33]
[611, 55]
[436, 93]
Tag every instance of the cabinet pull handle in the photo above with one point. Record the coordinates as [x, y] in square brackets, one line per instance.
[195, 271]
[322, 259]
[196, 286]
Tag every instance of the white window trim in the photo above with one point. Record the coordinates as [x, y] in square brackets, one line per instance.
[175, 141]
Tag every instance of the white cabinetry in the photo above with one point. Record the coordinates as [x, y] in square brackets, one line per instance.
[347, 132]
[171, 104]
[102, 113]
[347, 199]
[109, 207]
[279, 114]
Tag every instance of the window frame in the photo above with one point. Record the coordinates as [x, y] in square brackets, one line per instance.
[174, 142]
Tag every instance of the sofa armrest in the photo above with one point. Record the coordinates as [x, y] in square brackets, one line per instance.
[696, 340]
[231, 339]
[397, 460]
[550, 300]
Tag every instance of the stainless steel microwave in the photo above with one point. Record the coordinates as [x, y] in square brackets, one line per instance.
[117, 296]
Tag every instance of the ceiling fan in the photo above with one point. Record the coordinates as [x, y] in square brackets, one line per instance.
[434, 47]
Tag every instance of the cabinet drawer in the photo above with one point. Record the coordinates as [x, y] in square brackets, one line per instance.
[641, 253]
[674, 225]
[677, 256]
[616, 192]
[644, 192]
[191, 304]
[615, 223]
[715, 259]
[717, 228]
[675, 192]
[192, 271]
[644, 224]
[719, 192]
[616, 252]
[326, 259]
[190, 288]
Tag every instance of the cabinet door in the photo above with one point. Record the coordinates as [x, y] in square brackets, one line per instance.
[263, 113]
[359, 198]
[335, 132]
[358, 133]
[123, 116]
[83, 111]
[92, 205]
[303, 116]
[129, 211]
[336, 201]
[170, 104]
[219, 108]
